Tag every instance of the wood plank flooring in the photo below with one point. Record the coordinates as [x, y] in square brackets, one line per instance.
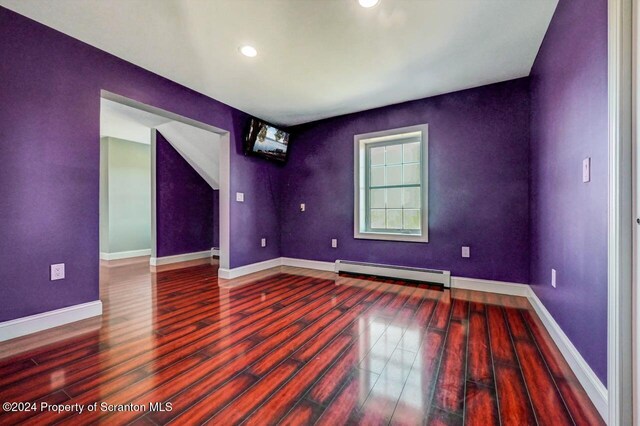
[293, 347]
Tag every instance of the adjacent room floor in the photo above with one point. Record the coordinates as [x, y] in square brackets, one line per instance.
[294, 346]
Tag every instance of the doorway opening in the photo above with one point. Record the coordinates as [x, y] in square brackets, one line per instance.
[164, 186]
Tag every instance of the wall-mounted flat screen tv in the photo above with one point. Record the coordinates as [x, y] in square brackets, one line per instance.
[266, 141]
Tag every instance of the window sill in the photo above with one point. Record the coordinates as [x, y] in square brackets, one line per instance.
[391, 237]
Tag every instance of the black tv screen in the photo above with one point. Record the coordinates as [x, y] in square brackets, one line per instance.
[266, 141]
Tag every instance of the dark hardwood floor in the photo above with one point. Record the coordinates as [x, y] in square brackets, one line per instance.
[293, 346]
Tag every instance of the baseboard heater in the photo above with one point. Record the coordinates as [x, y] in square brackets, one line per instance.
[392, 271]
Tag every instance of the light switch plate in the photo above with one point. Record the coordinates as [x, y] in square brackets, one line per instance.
[586, 170]
[553, 278]
[240, 197]
[263, 242]
[303, 207]
[57, 271]
[466, 252]
[334, 243]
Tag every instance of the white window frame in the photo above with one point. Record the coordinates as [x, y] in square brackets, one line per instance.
[360, 184]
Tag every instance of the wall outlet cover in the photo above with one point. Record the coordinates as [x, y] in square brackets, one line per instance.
[240, 197]
[263, 242]
[553, 278]
[57, 271]
[466, 252]
[586, 170]
[334, 243]
[303, 207]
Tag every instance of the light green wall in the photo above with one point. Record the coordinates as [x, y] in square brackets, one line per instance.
[125, 195]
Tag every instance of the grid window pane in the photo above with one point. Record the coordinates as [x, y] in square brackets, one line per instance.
[411, 173]
[377, 199]
[377, 176]
[394, 219]
[377, 156]
[411, 198]
[411, 152]
[394, 187]
[394, 198]
[377, 218]
[394, 175]
[411, 219]
[394, 154]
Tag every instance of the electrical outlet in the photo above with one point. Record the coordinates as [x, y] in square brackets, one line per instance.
[57, 271]
[586, 170]
[553, 278]
[240, 197]
[263, 242]
[334, 243]
[303, 207]
[466, 252]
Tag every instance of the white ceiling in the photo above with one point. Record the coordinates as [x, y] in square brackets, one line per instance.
[200, 148]
[316, 58]
[124, 122]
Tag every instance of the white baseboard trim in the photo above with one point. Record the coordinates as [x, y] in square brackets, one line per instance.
[124, 254]
[38, 322]
[596, 390]
[490, 286]
[215, 251]
[249, 269]
[166, 260]
[310, 264]
[273, 263]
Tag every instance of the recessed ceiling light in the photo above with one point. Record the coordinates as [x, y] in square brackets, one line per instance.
[249, 51]
[368, 3]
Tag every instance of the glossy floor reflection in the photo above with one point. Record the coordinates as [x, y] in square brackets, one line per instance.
[293, 346]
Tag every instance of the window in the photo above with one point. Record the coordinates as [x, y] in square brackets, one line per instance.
[391, 185]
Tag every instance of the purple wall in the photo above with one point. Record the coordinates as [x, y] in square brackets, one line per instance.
[259, 216]
[49, 144]
[478, 184]
[569, 217]
[184, 204]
